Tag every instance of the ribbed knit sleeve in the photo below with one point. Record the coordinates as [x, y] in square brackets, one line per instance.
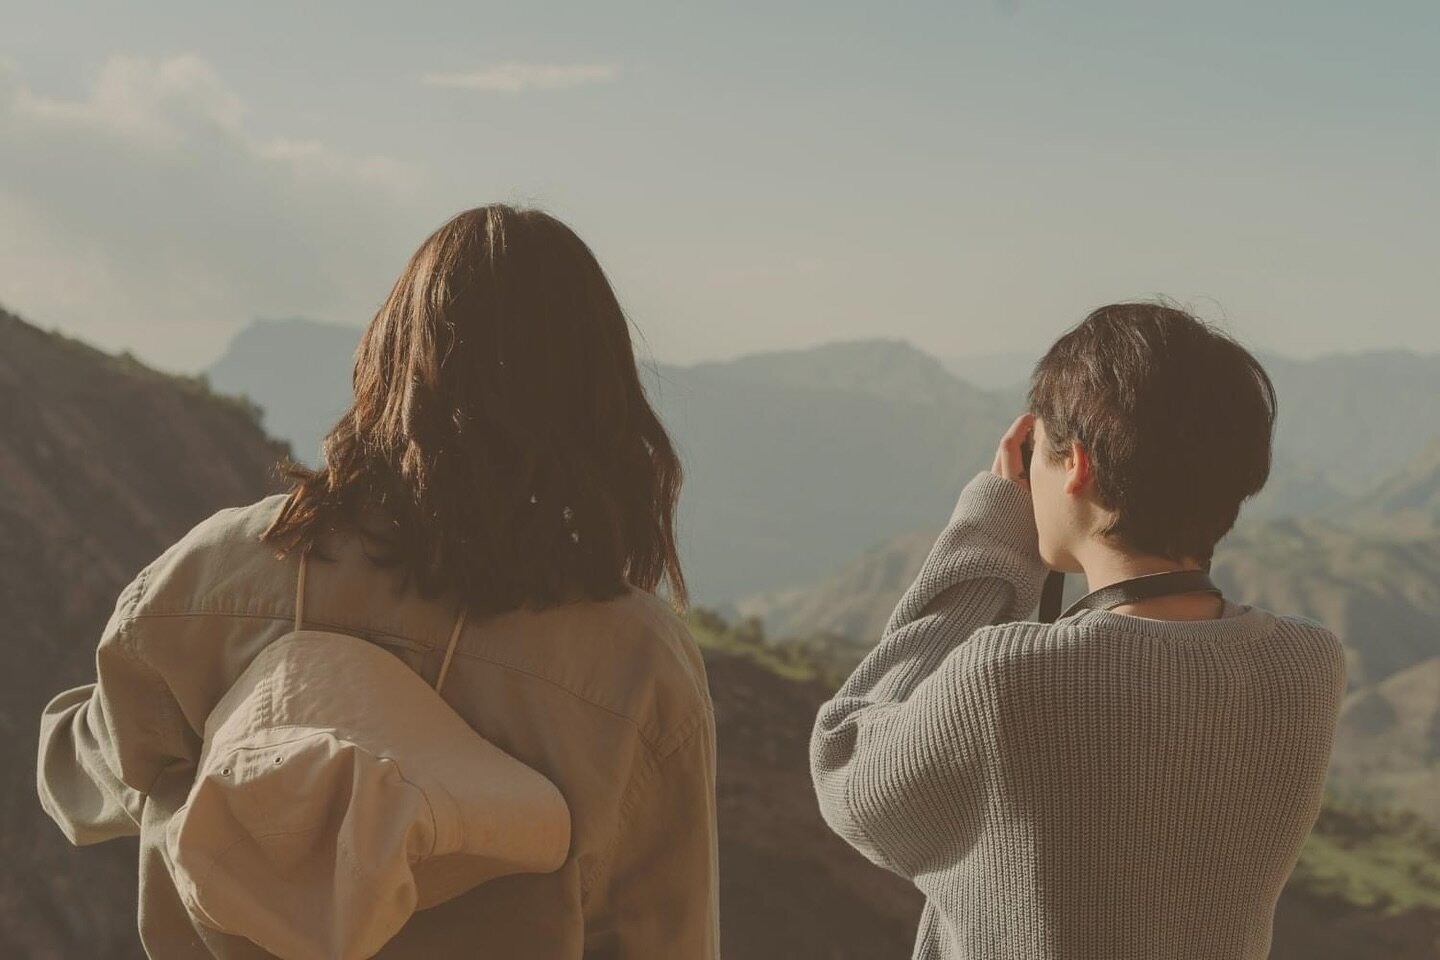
[898, 746]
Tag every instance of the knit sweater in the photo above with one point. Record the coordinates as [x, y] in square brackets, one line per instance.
[1104, 787]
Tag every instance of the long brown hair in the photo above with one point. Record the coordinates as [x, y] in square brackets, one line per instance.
[499, 427]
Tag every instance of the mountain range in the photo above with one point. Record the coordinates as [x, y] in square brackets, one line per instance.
[798, 460]
[789, 460]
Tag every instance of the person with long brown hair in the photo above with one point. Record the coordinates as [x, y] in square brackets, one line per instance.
[499, 459]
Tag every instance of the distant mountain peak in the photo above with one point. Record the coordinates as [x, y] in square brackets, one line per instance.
[859, 353]
[888, 367]
[299, 370]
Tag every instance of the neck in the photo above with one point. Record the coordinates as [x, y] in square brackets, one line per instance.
[1104, 566]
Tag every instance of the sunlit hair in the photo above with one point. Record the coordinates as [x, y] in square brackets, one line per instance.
[1176, 416]
[500, 428]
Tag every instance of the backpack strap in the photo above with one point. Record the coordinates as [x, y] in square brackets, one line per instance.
[300, 590]
[449, 647]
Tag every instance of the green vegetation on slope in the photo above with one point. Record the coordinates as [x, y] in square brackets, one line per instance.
[825, 658]
[1381, 861]
[128, 364]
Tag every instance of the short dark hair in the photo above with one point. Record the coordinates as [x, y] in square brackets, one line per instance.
[499, 420]
[1176, 416]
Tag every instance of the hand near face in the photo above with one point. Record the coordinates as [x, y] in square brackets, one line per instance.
[1008, 460]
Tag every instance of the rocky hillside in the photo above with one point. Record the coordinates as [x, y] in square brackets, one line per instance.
[1387, 745]
[103, 464]
[789, 889]
[1406, 504]
[1353, 417]
[1380, 594]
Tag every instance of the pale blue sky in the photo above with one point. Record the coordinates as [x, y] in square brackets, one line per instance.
[971, 177]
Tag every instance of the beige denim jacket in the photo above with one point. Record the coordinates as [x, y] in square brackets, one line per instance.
[606, 699]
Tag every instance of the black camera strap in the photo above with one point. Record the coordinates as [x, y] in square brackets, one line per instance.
[1125, 591]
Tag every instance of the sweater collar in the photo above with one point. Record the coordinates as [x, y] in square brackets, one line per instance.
[1239, 622]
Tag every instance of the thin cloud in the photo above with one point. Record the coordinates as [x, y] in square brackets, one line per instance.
[519, 77]
[150, 214]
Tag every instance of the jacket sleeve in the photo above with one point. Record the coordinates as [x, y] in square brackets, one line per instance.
[103, 745]
[897, 748]
[657, 894]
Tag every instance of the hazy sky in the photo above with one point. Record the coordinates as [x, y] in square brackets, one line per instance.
[972, 177]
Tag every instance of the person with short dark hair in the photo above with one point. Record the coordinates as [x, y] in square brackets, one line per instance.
[1136, 778]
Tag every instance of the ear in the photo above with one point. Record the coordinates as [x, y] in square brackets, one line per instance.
[1077, 468]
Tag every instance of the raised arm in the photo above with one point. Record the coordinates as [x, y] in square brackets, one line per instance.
[896, 745]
